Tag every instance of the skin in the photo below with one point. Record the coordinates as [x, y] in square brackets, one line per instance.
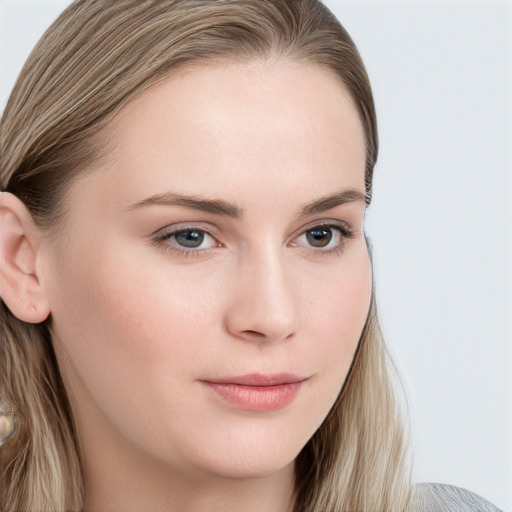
[139, 321]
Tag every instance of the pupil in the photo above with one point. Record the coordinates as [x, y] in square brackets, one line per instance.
[190, 238]
[319, 237]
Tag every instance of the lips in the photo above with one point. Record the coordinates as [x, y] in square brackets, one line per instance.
[257, 392]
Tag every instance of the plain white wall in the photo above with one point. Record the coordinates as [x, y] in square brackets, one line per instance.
[440, 222]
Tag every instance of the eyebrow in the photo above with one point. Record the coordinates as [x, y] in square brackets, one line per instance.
[226, 208]
[327, 203]
[216, 206]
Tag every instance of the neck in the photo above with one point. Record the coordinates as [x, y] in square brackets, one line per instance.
[121, 489]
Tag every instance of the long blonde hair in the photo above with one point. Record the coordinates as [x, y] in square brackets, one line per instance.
[92, 61]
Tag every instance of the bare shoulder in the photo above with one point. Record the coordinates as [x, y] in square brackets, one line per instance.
[447, 498]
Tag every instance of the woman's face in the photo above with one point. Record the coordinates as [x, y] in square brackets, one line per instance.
[213, 279]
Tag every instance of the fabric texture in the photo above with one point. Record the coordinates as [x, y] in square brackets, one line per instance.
[447, 498]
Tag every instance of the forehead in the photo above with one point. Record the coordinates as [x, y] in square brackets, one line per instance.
[225, 128]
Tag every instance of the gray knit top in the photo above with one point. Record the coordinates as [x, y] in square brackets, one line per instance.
[447, 498]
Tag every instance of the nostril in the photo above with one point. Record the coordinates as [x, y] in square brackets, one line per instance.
[255, 334]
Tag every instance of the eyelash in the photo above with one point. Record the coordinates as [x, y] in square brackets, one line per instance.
[162, 239]
[344, 231]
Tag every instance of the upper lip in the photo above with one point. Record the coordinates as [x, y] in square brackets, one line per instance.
[259, 379]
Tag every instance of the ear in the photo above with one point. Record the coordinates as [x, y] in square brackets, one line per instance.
[20, 286]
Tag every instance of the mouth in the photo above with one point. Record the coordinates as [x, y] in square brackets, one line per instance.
[257, 392]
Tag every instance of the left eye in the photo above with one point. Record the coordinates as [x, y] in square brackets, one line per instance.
[191, 239]
[321, 237]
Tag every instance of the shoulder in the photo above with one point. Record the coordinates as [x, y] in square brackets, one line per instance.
[447, 498]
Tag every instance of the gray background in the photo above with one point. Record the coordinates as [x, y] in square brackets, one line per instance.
[440, 222]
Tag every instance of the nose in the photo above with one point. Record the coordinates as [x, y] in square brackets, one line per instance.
[263, 305]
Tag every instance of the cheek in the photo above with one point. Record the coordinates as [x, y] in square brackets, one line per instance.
[120, 325]
[139, 315]
[344, 297]
[338, 315]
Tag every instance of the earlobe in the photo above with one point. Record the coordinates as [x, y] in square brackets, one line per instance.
[20, 286]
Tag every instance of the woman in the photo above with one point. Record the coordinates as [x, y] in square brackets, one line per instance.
[188, 315]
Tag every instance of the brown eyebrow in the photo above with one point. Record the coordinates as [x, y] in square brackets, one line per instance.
[216, 206]
[221, 207]
[329, 202]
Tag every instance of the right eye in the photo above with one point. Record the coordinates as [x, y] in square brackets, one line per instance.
[188, 239]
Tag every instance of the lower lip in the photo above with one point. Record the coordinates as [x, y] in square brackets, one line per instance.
[257, 398]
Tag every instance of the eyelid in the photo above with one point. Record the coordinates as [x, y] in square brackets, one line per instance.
[345, 232]
[345, 228]
[184, 226]
[161, 238]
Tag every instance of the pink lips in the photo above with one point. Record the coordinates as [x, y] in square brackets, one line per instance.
[256, 392]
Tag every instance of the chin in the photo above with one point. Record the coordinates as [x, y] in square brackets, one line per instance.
[239, 460]
[250, 468]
